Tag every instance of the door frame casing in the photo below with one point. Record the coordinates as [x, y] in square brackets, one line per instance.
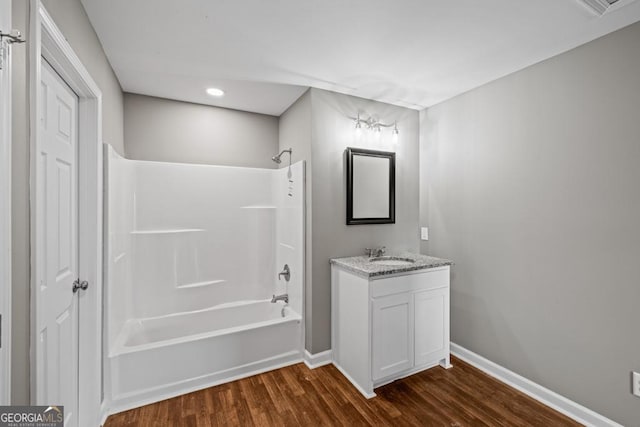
[5, 211]
[48, 42]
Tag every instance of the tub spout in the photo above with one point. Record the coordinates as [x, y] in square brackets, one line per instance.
[283, 297]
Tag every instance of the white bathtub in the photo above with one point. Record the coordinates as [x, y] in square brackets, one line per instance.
[161, 357]
[191, 253]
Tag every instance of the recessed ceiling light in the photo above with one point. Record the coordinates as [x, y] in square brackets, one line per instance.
[214, 91]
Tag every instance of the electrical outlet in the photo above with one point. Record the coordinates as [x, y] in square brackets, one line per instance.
[424, 233]
[635, 379]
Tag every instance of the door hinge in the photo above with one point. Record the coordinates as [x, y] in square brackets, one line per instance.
[7, 39]
[13, 36]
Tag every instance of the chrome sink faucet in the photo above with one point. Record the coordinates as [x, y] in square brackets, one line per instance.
[375, 252]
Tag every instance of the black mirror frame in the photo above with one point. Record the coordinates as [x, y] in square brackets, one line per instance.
[391, 219]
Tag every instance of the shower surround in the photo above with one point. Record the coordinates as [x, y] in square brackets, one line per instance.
[192, 261]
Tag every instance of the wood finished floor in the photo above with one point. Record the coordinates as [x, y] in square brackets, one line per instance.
[298, 396]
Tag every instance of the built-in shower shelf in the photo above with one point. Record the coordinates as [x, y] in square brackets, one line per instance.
[258, 207]
[119, 257]
[284, 245]
[200, 284]
[169, 231]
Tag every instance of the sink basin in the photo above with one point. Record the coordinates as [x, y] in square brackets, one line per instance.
[391, 261]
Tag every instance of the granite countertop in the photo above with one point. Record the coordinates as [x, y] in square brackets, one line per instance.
[362, 266]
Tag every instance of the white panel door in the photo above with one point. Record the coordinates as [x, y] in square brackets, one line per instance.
[392, 335]
[57, 240]
[430, 308]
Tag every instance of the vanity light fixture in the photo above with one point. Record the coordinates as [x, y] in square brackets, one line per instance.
[395, 132]
[375, 125]
[358, 124]
[214, 91]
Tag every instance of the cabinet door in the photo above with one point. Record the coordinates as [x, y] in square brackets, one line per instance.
[431, 325]
[392, 335]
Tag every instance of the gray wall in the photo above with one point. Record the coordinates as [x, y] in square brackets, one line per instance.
[332, 133]
[20, 313]
[174, 131]
[533, 190]
[72, 20]
[295, 133]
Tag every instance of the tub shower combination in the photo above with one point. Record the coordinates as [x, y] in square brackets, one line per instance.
[197, 262]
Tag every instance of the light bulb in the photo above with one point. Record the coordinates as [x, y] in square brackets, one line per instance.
[358, 128]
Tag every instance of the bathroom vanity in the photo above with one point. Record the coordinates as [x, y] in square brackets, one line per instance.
[390, 317]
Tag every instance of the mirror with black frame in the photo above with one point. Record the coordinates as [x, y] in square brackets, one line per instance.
[371, 180]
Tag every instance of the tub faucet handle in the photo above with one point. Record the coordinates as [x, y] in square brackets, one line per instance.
[285, 272]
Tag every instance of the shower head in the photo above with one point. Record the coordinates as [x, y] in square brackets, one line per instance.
[277, 158]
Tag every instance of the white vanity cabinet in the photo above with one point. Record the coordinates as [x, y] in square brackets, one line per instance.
[390, 325]
[392, 338]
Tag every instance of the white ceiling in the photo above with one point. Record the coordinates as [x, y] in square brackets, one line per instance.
[413, 53]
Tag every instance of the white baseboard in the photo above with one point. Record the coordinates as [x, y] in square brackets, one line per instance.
[550, 398]
[104, 413]
[156, 394]
[314, 361]
[355, 383]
